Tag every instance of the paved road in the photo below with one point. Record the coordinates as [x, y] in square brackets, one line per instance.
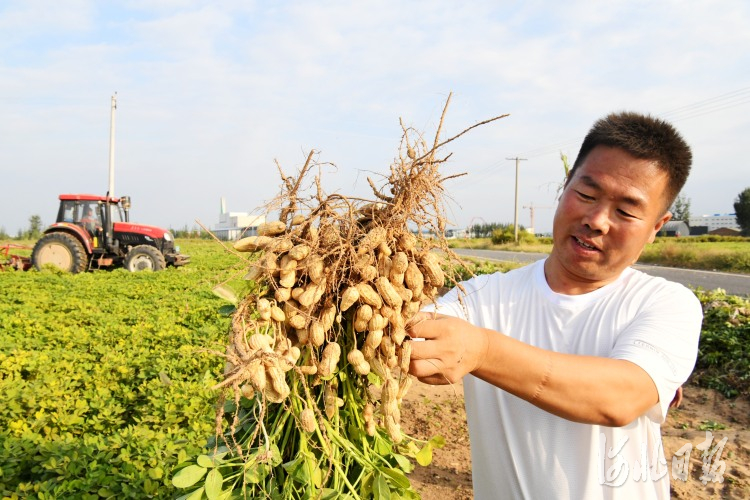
[735, 284]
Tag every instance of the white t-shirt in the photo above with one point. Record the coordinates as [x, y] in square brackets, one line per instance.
[521, 451]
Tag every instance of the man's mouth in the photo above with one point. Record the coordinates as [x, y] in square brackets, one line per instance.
[584, 244]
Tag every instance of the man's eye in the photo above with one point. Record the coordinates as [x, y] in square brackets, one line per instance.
[626, 214]
[584, 196]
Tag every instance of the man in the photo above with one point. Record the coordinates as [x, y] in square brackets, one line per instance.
[572, 362]
[90, 220]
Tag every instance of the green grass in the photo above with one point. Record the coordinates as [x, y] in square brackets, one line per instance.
[105, 377]
[729, 256]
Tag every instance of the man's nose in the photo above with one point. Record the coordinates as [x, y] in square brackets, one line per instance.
[597, 218]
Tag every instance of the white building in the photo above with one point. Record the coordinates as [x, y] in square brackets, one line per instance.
[456, 233]
[715, 221]
[235, 225]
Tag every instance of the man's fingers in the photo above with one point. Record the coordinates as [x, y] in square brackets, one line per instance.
[434, 380]
[417, 327]
[429, 371]
[421, 368]
[423, 348]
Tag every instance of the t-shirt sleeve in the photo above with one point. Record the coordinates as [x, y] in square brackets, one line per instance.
[663, 340]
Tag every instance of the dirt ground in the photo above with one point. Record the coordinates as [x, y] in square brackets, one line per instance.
[439, 410]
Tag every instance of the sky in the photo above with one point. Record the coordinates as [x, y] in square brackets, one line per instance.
[212, 95]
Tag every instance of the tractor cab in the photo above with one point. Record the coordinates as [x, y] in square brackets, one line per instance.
[96, 215]
[87, 214]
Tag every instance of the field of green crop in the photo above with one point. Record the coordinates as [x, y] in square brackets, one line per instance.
[105, 376]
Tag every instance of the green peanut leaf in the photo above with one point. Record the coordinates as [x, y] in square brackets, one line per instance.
[205, 461]
[329, 494]
[227, 310]
[317, 474]
[256, 473]
[297, 470]
[403, 463]
[382, 447]
[275, 455]
[188, 476]
[365, 489]
[424, 456]
[380, 488]
[397, 477]
[193, 495]
[156, 473]
[214, 483]
[437, 441]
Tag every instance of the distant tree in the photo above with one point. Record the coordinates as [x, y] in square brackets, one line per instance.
[35, 227]
[483, 230]
[194, 233]
[506, 234]
[681, 209]
[184, 232]
[3, 234]
[742, 211]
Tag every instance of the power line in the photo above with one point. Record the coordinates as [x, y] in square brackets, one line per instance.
[743, 94]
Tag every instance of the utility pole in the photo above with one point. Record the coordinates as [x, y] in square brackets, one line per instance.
[111, 191]
[515, 213]
[531, 211]
[111, 188]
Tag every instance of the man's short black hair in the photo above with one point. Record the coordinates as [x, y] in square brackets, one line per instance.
[646, 138]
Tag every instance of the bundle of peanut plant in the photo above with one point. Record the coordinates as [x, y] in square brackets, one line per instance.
[318, 356]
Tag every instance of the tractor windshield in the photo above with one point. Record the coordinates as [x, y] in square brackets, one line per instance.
[118, 214]
[79, 212]
[84, 213]
[115, 211]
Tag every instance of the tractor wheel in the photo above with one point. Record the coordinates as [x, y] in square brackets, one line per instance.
[144, 258]
[61, 250]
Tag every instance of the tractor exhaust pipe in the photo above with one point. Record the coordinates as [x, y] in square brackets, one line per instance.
[125, 202]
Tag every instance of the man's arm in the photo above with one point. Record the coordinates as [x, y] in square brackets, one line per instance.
[586, 389]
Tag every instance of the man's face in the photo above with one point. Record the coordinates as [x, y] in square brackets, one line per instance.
[609, 210]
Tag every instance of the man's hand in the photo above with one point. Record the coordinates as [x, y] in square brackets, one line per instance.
[445, 348]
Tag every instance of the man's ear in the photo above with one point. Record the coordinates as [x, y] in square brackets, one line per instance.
[659, 224]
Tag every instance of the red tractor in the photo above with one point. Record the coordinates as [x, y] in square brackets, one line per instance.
[94, 232]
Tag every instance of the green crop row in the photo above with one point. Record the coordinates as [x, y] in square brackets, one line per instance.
[724, 352]
[105, 377]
